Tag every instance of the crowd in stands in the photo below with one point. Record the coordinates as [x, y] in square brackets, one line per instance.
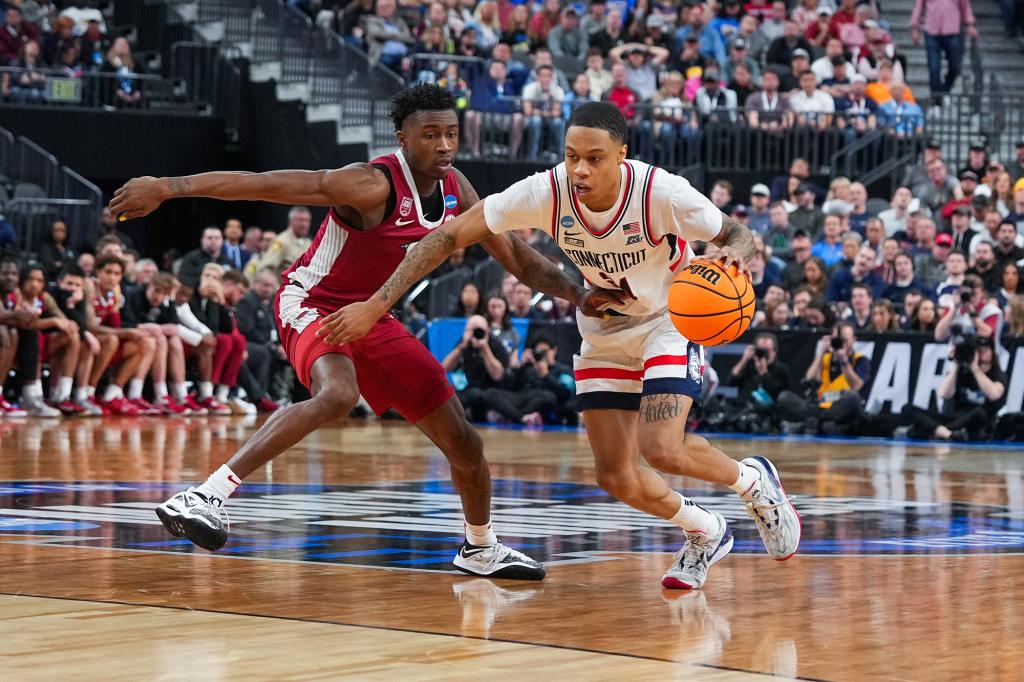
[65, 40]
[672, 69]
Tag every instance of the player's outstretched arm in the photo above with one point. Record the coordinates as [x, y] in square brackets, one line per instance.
[353, 321]
[358, 185]
[735, 244]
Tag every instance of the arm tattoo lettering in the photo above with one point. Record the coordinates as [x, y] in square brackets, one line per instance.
[179, 186]
[427, 255]
[660, 408]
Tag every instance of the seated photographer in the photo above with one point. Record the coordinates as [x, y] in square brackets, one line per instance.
[541, 390]
[972, 392]
[760, 378]
[970, 312]
[482, 359]
[839, 374]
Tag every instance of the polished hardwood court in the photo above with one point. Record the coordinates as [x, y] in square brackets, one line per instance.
[911, 566]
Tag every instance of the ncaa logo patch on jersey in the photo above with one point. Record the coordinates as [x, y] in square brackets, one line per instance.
[567, 221]
[406, 207]
[450, 201]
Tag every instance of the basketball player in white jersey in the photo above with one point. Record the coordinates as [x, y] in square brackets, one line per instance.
[626, 225]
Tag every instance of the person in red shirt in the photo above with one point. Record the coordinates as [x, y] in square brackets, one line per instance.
[14, 34]
[626, 99]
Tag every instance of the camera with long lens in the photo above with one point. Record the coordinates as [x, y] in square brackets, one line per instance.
[966, 296]
[837, 343]
[479, 333]
[760, 353]
[964, 347]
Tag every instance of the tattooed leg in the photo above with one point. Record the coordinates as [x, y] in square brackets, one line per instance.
[664, 443]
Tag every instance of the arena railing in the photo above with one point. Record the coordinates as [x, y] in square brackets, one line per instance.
[209, 75]
[33, 217]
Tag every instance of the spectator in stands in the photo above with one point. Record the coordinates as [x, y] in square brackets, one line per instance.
[599, 77]
[1015, 168]
[818, 30]
[655, 34]
[18, 339]
[688, 60]
[924, 318]
[581, 92]
[487, 24]
[799, 62]
[611, 36]
[469, 302]
[970, 307]
[715, 103]
[287, 247]
[593, 21]
[740, 54]
[235, 288]
[517, 30]
[956, 270]
[917, 174]
[823, 66]
[813, 107]
[25, 82]
[939, 189]
[862, 271]
[905, 280]
[721, 195]
[799, 252]
[520, 300]
[623, 96]
[768, 109]
[542, 107]
[759, 215]
[108, 226]
[815, 275]
[883, 317]
[1008, 247]
[255, 318]
[759, 375]
[232, 248]
[710, 41]
[1011, 285]
[960, 224]
[95, 44]
[569, 39]
[773, 27]
[880, 90]
[643, 64]
[856, 113]
[984, 266]
[56, 42]
[483, 361]
[894, 218]
[124, 89]
[742, 83]
[943, 23]
[211, 250]
[904, 117]
[388, 37]
[972, 392]
[838, 84]
[930, 262]
[829, 247]
[491, 108]
[251, 241]
[757, 43]
[840, 373]
[499, 316]
[14, 34]
[1016, 213]
[255, 263]
[674, 120]
[780, 231]
[54, 253]
[8, 237]
[782, 49]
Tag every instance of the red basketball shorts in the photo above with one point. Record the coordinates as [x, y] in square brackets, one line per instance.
[393, 368]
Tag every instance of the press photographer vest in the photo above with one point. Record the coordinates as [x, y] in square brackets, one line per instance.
[831, 389]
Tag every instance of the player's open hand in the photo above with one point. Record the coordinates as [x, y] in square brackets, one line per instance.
[595, 301]
[726, 255]
[137, 198]
[350, 323]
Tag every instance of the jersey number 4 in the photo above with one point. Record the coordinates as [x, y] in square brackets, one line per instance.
[622, 285]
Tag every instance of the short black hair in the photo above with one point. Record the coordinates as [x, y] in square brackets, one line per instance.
[104, 261]
[419, 98]
[71, 270]
[601, 115]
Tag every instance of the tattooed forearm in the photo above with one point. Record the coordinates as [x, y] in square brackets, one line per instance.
[179, 187]
[736, 235]
[424, 257]
[537, 272]
[660, 408]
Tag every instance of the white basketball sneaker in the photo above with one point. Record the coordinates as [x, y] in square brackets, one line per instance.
[772, 511]
[497, 561]
[690, 565]
[192, 515]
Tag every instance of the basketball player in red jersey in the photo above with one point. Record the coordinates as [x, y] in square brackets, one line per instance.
[378, 210]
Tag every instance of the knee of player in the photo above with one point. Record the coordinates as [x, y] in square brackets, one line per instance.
[336, 402]
[109, 342]
[149, 344]
[619, 482]
[208, 342]
[462, 444]
[174, 343]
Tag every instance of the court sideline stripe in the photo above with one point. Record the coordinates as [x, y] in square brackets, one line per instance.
[410, 630]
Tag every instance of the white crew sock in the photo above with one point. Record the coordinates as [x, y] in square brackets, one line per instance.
[222, 393]
[135, 388]
[693, 518]
[81, 394]
[160, 391]
[33, 390]
[113, 392]
[62, 391]
[205, 390]
[749, 477]
[90, 391]
[481, 536]
[221, 484]
[179, 391]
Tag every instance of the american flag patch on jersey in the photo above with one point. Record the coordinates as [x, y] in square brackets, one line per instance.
[631, 228]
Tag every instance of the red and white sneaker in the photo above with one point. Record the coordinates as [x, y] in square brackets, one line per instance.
[267, 405]
[121, 407]
[70, 409]
[193, 407]
[96, 402]
[146, 408]
[9, 410]
[216, 407]
[172, 408]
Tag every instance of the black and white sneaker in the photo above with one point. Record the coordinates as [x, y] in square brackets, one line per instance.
[192, 515]
[497, 561]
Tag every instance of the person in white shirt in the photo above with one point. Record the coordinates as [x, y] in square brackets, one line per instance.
[812, 106]
[895, 217]
[542, 106]
[822, 66]
[627, 225]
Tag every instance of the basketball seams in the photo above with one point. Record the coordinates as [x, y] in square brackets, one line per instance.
[742, 319]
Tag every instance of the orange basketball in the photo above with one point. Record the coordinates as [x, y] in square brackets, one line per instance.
[711, 304]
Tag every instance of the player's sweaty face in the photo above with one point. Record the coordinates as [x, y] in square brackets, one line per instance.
[592, 160]
[430, 140]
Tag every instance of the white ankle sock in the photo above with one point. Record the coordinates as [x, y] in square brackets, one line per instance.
[221, 484]
[160, 390]
[693, 518]
[205, 390]
[179, 391]
[62, 391]
[135, 389]
[113, 392]
[33, 390]
[749, 477]
[81, 394]
[222, 393]
[90, 391]
[481, 536]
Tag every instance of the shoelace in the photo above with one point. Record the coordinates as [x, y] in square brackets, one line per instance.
[218, 507]
[757, 509]
[691, 556]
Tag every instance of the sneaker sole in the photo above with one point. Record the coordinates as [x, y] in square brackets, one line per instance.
[513, 572]
[724, 548]
[198, 534]
[773, 472]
